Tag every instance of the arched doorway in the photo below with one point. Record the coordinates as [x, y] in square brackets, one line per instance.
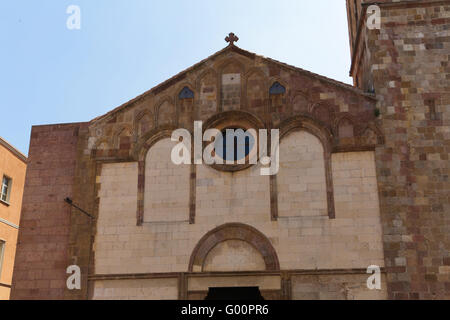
[232, 262]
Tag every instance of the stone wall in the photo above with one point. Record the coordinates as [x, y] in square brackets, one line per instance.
[335, 287]
[410, 70]
[41, 259]
[147, 289]
[350, 285]
[352, 240]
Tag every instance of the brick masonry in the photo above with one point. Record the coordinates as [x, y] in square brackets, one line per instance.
[407, 62]
[43, 240]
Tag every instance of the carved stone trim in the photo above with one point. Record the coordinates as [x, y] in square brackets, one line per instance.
[290, 272]
[193, 193]
[273, 198]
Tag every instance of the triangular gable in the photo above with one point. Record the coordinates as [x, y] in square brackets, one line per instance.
[231, 48]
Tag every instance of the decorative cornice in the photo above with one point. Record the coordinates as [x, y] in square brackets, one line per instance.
[174, 275]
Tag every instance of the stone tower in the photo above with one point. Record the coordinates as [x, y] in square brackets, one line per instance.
[405, 61]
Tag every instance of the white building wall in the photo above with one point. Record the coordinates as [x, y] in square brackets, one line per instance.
[352, 240]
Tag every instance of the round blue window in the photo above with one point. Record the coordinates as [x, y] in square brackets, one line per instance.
[234, 144]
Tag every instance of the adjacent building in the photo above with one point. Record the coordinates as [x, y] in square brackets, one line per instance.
[13, 165]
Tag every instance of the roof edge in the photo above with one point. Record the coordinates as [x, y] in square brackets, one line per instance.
[161, 86]
[181, 75]
[13, 150]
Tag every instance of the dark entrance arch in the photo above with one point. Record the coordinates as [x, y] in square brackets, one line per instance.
[235, 293]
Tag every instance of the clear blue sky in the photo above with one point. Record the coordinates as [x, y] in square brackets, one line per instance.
[50, 74]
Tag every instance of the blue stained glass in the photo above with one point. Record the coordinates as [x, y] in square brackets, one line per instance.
[240, 149]
[277, 88]
[186, 93]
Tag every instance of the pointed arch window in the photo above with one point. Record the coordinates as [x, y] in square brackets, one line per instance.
[277, 88]
[186, 93]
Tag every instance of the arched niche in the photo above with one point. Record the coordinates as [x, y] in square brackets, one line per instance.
[185, 105]
[326, 138]
[207, 84]
[145, 121]
[167, 185]
[231, 74]
[140, 152]
[256, 96]
[166, 112]
[278, 101]
[346, 128]
[122, 137]
[301, 180]
[300, 104]
[229, 232]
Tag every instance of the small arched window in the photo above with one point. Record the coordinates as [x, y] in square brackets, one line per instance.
[186, 93]
[277, 88]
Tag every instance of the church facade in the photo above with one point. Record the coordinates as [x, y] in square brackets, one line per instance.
[361, 179]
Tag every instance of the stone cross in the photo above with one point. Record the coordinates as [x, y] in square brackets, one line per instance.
[232, 38]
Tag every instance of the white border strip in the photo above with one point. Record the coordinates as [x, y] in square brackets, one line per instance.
[9, 223]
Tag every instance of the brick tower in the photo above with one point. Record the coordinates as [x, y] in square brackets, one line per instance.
[405, 61]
